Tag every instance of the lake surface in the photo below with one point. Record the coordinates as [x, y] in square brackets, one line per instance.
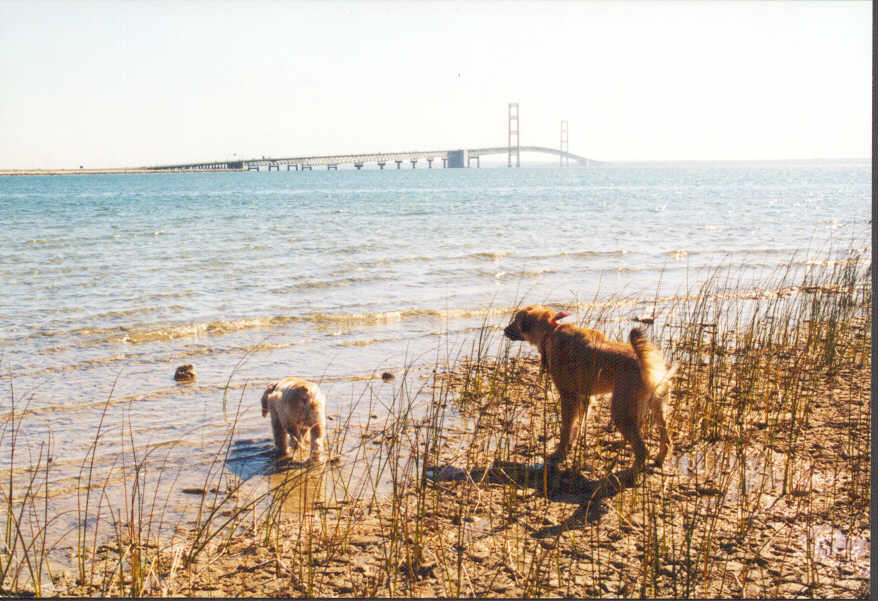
[112, 281]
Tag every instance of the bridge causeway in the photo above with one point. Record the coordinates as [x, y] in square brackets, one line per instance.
[457, 158]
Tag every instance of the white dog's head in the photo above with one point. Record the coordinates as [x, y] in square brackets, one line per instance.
[265, 400]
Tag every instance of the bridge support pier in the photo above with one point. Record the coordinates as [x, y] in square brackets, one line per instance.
[477, 159]
[429, 162]
[332, 166]
[398, 163]
[295, 167]
[381, 165]
[414, 161]
[444, 163]
[457, 159]
[358, 166]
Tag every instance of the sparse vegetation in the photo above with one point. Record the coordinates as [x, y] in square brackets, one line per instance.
[445, 492]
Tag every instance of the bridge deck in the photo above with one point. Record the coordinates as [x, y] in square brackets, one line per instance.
[359, 159]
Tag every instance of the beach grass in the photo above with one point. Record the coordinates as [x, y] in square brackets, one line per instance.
[444, 491]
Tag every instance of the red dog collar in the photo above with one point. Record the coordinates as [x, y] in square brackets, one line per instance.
[560, 315]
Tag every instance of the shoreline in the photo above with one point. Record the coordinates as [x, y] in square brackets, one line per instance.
[766, 492]
[107, 171]
[469, 518]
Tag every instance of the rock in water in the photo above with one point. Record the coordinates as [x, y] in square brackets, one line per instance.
[185, 373]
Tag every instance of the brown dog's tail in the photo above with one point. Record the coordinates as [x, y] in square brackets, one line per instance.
[654, 373]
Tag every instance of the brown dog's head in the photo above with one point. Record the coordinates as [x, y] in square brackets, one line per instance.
[265, 400]
[530, 324]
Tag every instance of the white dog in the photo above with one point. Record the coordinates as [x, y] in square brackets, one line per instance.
[297, 407]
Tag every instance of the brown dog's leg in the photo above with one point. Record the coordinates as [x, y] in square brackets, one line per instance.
[569, 415]
[583, 415]
[280, 434]
[624, 413]
[581, 418]
[630, 431]
[665, 436]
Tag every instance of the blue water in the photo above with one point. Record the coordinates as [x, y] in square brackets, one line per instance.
[111, 281]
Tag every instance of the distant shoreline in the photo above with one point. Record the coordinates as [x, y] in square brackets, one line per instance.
[655, 163]
[14, 172]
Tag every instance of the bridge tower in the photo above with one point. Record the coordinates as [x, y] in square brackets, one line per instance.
[563, 143]
[512, 132]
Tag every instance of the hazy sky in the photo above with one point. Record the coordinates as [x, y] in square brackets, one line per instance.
[111, 84]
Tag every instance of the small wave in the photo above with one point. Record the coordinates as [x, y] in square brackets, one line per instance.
[581, 254]
[370, 341]
[622, 252]
[90, 404]
[761, 251]
[388, 260]
[533, 273]
[196, 330]
[165, 358]
[315, 285]
[385, 317]
[732, 252]
[347, 250]
[159, 333]
[256, 247]
[337, 283]
[414, 259]
[132, 312]
[488, 255]
[223, 327]
[370, 318]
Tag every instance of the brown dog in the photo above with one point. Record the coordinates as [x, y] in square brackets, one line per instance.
[296, 407]
[583, 363]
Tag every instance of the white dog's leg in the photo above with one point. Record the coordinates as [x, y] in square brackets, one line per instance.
[296, 437]
[279, 432]
[317, 434]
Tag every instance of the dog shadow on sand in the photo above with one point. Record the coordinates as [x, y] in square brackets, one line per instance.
[547, 479]
[249, 457]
